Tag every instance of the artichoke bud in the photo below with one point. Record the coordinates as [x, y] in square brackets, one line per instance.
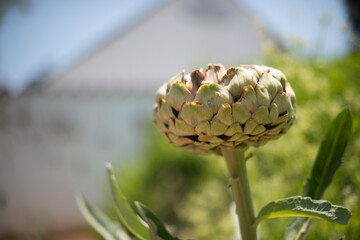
[239, 107]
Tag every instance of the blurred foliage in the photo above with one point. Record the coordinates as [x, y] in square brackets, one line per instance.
[322, 89]
[190, 191]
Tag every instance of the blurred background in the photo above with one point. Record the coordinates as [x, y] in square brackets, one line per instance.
[77, 88]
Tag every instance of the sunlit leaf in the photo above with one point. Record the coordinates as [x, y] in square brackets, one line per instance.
[156, 226]
[329, 157]
[327, 162]
[108, 229]
[305, 207]
[124, 211]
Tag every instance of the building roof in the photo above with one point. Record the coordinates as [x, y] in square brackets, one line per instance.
[180, 35]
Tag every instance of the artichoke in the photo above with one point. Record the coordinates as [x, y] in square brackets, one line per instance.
[238, 107]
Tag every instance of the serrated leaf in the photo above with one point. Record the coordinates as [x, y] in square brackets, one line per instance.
[329, 156]
[157, 228]
[305, 207]
[108, 229]
[126, 214]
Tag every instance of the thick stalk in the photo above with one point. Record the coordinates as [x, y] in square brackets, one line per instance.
[235, 161]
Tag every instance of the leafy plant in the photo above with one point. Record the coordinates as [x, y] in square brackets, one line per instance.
[143, 224]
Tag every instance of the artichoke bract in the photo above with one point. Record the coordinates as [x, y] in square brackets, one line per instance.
[238, 107]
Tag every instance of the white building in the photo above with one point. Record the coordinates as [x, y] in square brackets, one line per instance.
[56, 136]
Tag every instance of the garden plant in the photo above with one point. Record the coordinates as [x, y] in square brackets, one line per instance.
[224, 112]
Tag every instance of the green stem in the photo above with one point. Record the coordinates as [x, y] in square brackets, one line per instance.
[235, 161]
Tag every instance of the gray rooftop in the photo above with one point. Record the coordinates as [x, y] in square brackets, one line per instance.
[180, 35]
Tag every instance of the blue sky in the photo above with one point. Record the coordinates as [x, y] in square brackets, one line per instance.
[315, 26]
[53, 35]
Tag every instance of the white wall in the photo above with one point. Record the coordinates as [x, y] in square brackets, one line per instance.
[52, 146]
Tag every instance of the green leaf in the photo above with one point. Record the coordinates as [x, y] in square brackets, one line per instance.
[126, 214]
[304, 207]
[156, 226]
[329, 156]
[326, 164]
[100, 222]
